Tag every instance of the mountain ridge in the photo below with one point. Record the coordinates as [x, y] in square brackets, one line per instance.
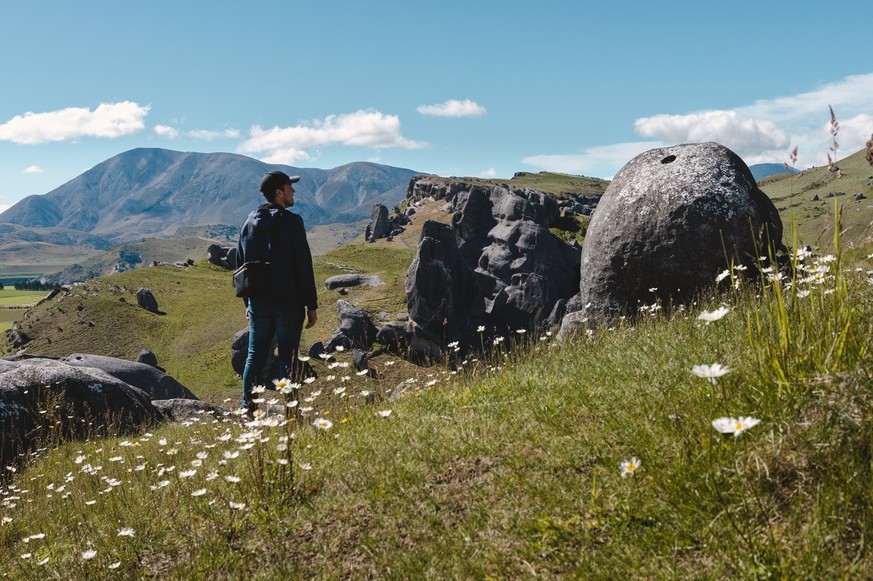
[152, 192]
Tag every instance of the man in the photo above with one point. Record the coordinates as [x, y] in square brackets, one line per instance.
[273, 234]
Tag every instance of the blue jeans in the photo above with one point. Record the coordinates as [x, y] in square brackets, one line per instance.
[266, 318]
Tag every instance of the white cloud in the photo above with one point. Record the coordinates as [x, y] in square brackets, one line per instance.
[166, 131]
[208, 135]
[370, 129]
[764, 131]
[602, 161]
[453, 108]
[767, 130]
[730, 128]
[4, 207]
[108, 120]
[170, 132]
[32, 169]
[488, 173]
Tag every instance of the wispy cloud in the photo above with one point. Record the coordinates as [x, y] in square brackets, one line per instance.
[32, 169]
[4, 207]
[764, 131]
[453, 108]
[208, 135]
[602, 161]
[370, 129]
[767, 129]
[488, 173]
[166, 131]
[170, 132]
[109, 120]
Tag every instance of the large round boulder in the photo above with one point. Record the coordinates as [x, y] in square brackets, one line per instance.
[671, 220]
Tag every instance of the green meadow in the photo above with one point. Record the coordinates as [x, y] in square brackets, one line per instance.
[730, 438]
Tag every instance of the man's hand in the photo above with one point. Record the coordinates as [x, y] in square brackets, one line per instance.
[311, 317]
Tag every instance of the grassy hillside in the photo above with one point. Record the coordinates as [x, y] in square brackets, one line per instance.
[596, 458]
[143, 253]
[794, 196]
[200, 315]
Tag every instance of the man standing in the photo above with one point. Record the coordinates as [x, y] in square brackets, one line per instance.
[273, 234]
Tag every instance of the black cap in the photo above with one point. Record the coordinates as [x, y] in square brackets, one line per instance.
[275, 180]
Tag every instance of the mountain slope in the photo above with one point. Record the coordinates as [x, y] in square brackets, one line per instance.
[763, 170]
[152, 192]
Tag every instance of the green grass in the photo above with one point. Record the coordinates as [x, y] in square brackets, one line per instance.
[510, 470]
[11, 303]
[10, 296]
[793, 196]
[200, 315]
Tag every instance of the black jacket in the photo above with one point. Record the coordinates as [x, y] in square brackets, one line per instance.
[275, 235]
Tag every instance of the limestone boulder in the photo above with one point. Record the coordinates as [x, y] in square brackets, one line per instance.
[671, 220]
[153, 381]
[78, 401]
[350, 280]
[147, 300]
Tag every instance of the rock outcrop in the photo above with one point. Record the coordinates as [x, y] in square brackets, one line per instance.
[670, 221]
[223, 256]
[495, 266]
[383, 225]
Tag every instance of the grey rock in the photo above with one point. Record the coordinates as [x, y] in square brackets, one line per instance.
[146, 300]
[496, 265]
[667, 221]
[360, 359]
[379, 225]
[348, 280]
[153, 381]
[573, 324]
[394, 336]
[98, 403]
[147, 357]
[217, 255]
[355, 324]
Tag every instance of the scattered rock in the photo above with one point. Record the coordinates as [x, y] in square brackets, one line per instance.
[347, 280]
[223, 256]
[147, 357]
[146, 300]
[360, 360]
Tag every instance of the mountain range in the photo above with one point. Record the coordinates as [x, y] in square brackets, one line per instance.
[153, 192]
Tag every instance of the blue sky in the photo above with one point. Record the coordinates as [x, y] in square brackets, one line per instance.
[479, 88]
